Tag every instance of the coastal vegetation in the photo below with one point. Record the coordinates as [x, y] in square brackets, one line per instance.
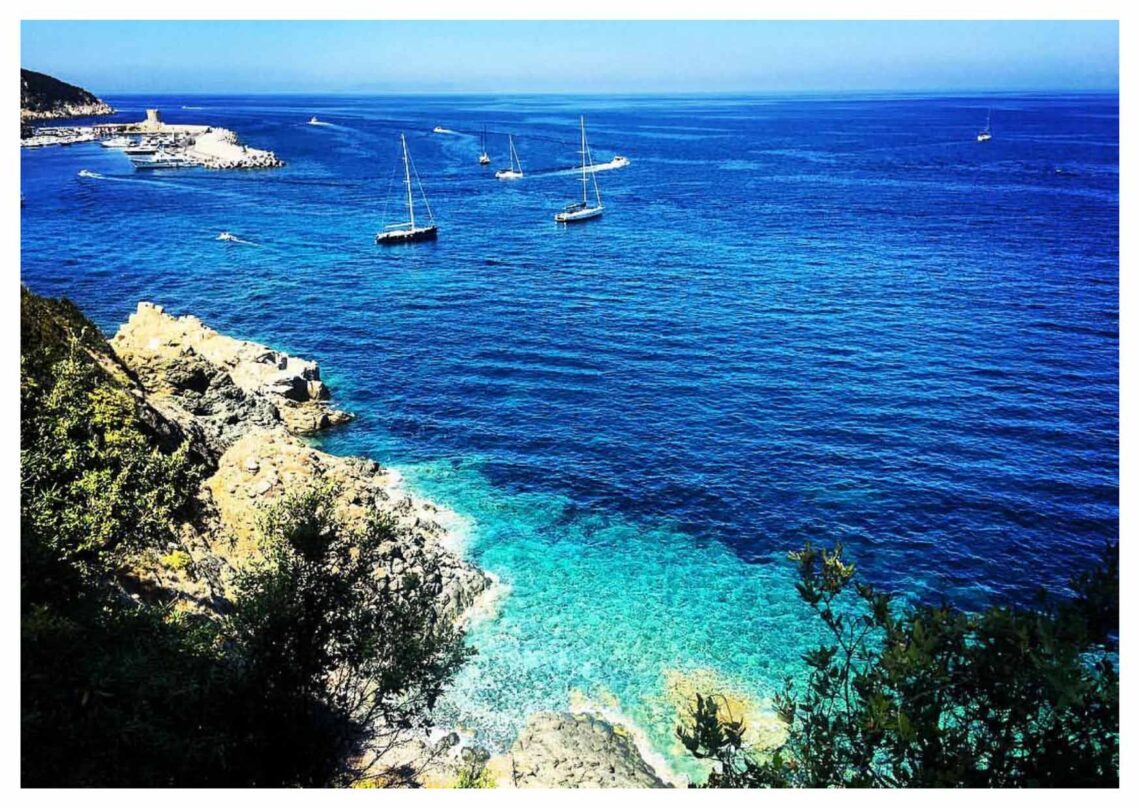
[932, 696]
[305, 676]
[152, 464]
[43, 96]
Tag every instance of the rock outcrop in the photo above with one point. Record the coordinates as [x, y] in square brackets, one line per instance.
[242, 405]
[561, 750]
[43, 97]
[227, 385]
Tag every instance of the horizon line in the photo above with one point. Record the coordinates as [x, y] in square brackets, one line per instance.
[389, 93]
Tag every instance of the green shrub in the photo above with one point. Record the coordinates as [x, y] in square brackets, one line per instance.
[932, 696]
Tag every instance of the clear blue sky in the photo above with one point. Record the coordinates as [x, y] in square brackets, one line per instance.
[109, 57]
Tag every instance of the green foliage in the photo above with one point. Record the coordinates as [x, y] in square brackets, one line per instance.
[473, 773]
[338, 654]
[319, 657]
[932, 696]
[91, 481]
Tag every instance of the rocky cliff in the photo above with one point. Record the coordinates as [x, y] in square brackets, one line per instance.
[243, 406]
[43, 97]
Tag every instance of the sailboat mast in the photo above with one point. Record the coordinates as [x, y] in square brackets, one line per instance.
[408, 183]
[582, 121]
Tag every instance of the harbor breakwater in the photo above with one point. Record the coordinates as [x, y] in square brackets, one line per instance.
[189, 144]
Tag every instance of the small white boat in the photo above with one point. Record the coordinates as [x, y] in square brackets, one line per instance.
[580, 211]
[515, 171]
[484, 158]
[407, 232]
[93, 174]
[120, 142]
[314, 120]
[439, 130]
[985, 134]
[226, 236]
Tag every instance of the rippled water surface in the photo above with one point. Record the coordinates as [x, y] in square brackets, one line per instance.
[825, 318]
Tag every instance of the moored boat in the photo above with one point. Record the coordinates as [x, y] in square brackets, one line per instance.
[583, 210]
[985, 134]
[140, 148]
[514, 172]
[161, 159]
[484, 158]
[408, 232]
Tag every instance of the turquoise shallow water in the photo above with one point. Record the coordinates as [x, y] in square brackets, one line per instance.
[602, 611]
[830, 318]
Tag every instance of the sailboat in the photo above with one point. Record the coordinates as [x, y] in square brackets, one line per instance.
[578, 211]
[515, 172]
[985, 134]
[484, 158]
[404, 232]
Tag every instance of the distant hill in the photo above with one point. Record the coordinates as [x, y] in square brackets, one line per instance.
[42, 96]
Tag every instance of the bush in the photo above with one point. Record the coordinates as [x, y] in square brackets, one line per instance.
[343, 663]
[319, 663]
[934, 697]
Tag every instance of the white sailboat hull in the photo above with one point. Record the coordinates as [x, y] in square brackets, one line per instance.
[578, 214]
[508, 174]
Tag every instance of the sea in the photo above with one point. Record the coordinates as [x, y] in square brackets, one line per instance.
[801, 317]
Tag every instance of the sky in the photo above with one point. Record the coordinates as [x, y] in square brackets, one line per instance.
[120, 57]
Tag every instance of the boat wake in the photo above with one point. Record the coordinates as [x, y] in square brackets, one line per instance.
[226, 236]
[617, 163]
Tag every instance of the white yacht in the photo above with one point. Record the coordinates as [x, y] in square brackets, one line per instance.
[515, 171]
[141, 148]
[405, 232]
[161, 159]
[579, 211]
[119, 142]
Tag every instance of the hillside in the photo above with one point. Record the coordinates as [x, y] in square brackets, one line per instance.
[43, 97]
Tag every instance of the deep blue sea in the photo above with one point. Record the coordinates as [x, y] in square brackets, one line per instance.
[825, 318]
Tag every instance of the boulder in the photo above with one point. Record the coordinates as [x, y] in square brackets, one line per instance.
[561, 750]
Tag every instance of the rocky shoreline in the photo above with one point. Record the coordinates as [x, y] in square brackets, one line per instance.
[244, 408]
[44, 97]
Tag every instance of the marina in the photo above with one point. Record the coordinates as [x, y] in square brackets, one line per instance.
[183, 145]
